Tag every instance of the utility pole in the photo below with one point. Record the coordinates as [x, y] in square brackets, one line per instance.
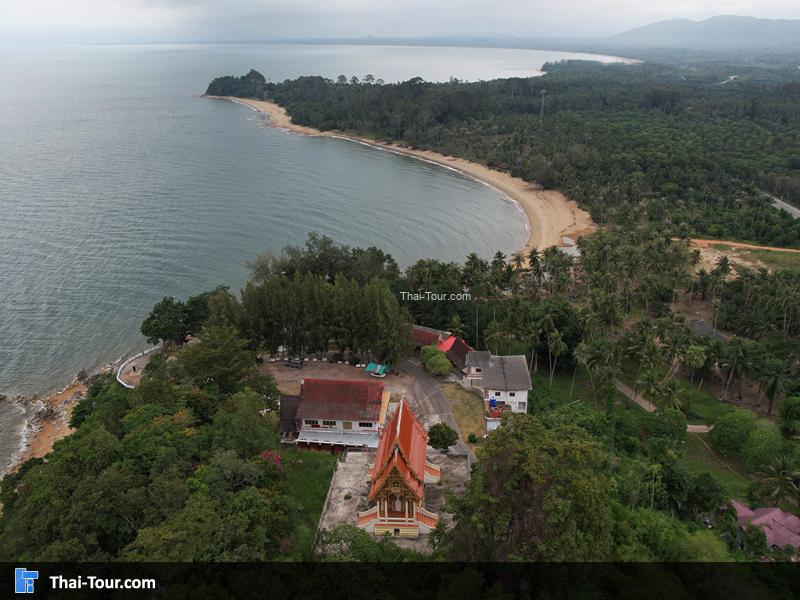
[541, 110]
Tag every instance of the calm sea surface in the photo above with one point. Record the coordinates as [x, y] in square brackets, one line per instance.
[119, 185]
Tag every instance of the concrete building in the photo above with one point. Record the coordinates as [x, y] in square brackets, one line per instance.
[337, 414]
[504, 380]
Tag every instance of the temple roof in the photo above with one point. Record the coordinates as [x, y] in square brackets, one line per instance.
[402, 446]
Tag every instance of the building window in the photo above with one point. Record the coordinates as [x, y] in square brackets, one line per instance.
[498, 393]
[364, 425]
[477, 369]
[510, 393]
[329, 423]
[311, 422]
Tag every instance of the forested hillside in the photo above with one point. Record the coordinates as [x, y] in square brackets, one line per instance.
[692, 145]
[188, 466]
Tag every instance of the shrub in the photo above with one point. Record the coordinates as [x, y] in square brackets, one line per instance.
[441, 436]
[666, 423]
[790, 417]
[426, 352]
[472, 438]
[731, 431]
[763, 445]
[435, 361]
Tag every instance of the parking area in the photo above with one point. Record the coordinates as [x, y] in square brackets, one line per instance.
[289, 378]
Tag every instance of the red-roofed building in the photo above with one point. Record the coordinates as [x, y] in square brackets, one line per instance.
[398, 479]
[781, 528]
[427, 336]
[338, 414]
[456, 350]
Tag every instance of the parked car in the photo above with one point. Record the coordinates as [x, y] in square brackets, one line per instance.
[295, 362]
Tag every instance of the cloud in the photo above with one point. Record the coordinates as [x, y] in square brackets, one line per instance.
[182, 20]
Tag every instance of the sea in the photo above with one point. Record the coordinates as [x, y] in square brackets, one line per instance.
[121, 184]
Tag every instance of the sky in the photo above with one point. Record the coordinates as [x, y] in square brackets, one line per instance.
[249, 20]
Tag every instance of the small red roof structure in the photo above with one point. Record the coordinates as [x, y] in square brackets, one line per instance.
[340, 400]
[781, 528]
[456, 350]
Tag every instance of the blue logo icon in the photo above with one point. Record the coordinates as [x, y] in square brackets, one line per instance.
[23, 580]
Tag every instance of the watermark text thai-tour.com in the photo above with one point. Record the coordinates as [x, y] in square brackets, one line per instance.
[27, 581]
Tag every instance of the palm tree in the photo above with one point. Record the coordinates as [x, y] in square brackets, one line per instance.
[669, 394]
[533, 333]
[456, 327]
[590, 323]
[494, 334]
[534, 264]
[518, 260]
[736, 360]
[649, 383]
[555, 348]
[777, 481]
[773, 379]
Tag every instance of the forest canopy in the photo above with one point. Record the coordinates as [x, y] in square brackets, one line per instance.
[686, 145]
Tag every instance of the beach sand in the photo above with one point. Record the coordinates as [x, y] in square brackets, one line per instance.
[551, 215]
[51, 423]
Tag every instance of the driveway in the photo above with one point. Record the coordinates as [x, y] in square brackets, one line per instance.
[429, 402]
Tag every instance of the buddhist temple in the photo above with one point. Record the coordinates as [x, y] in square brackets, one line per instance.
[398, 479]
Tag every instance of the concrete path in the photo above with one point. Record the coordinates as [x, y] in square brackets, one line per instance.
[650, 407]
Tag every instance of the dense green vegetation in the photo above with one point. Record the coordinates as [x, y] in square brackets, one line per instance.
[186, 467]
[671, 142]
[251, 85]
[609, 504]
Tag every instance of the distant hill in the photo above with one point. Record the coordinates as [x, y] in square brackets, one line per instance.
[731, 32]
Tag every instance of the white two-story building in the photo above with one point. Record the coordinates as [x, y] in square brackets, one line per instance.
[505, 381]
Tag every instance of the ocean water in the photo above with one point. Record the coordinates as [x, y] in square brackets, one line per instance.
[119, 185]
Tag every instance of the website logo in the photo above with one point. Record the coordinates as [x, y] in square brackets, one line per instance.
[24, 579]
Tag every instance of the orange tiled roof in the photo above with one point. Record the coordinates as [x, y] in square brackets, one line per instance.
[402, 446]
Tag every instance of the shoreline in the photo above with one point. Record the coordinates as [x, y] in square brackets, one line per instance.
[49, 424]
[551, 216]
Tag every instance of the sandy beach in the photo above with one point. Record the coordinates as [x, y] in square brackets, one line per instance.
[551, 215]
[51, 423]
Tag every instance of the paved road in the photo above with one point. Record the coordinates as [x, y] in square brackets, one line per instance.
[429, 402]
[780, 204]
[650, 407]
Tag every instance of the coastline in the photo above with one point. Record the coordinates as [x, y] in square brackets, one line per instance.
[550, 214]
[48, 425]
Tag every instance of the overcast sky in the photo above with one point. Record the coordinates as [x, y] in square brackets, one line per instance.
[241, 20]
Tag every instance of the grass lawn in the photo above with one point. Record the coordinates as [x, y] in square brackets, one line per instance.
[563, 391]
[771, 258]
[308, 477]
[467, 409]
[776, 260]
[699, 459]
[700, 406]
